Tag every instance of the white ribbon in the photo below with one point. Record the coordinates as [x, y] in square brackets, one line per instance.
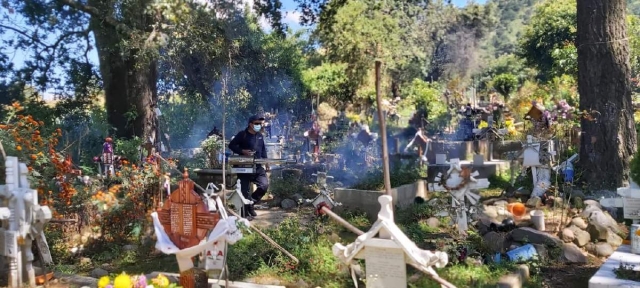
[226, 230]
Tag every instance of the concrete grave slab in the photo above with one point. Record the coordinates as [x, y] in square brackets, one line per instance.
[606, 277]
[232, 284]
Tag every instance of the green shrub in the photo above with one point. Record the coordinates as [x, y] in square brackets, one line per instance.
[401, 174]
[287, 187]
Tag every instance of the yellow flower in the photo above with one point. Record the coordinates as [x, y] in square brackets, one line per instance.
[161, 281]
[103, 282]
[638, 232]
[483, 124]
[123, 281]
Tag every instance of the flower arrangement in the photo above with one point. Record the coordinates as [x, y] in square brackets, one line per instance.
[483, 124]
[140, 281]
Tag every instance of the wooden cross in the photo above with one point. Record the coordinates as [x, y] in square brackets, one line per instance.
[185, 217]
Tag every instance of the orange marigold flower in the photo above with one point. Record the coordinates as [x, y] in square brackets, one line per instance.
[19, 148]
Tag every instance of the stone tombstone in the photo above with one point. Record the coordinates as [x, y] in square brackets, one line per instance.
[629, 201]
[185, 217]
[385, 266]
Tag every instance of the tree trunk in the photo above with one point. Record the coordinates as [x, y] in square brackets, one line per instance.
[608, 143]
[129, 86]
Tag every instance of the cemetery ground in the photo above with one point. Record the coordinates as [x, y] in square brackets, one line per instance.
[310, 239]
[112, 232]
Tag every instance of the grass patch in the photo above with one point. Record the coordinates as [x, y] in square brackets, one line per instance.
[477, 276]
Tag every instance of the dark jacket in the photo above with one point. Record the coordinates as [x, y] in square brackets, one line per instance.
[247, 141]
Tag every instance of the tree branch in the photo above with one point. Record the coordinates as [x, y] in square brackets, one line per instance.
[23, 33]
[95, 12]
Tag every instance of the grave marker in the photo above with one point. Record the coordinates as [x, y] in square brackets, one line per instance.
[185, 217]
[26, 220]
[385, 266]
[386, 257]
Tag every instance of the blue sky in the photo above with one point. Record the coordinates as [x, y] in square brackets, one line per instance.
[291, 17]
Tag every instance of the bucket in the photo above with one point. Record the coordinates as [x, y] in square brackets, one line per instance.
[523, 253]
[635, 238]
[537, 217]
[517, 209]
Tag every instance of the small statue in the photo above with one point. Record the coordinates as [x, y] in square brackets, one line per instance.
[107, 156]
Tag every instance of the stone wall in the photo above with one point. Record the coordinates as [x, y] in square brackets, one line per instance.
[367, 201]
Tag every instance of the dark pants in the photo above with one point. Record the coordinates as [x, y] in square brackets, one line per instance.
[260, 179]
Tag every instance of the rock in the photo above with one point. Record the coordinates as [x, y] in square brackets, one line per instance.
[534, 202]
[129, 247]
[490, 211]
[581, 237]
[577, 202]
[98, 272]
[597, 234]
[542, 251]
[84, 261]
[533, 236]
[603, 249]
[523, 270]
[591, 202]
[302, 284]
[613, 212]
[522, 192]
[433, 222]
[297, 197]
[577, 193]
[500, 203]
[496, 213]
[572, 254]
[558, 202]
[288, 204]
[587, 211]
[510, 281]
[614, 240]
[579, 222]
[495, 242]
[567, 235]
[484, 223]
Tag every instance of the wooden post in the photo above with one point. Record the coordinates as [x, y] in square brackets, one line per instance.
[383, 131]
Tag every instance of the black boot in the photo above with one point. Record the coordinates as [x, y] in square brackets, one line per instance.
[246, 212]
[250, 210]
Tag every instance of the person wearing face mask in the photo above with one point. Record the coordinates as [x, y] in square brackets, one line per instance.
[250, 142]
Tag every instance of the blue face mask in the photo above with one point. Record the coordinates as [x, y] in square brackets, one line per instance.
[257, 128]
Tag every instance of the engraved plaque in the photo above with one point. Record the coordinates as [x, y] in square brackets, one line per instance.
[10, 244]
[187, 219]
[185, 216]
[631, 208]
[385, 267]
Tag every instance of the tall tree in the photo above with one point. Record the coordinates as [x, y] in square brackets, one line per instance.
[128, 37]
[604, 85]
